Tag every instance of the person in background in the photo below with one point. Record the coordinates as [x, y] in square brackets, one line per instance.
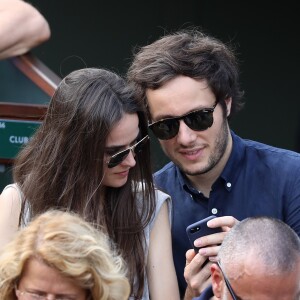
[91, 155]
[61, 256]
[189, 82]
[22, 27]
[269, 268]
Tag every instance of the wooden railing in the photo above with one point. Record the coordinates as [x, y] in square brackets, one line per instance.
[43, 78]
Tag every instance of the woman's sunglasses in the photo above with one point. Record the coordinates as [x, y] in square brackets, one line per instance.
[117, 158]
[198, 120]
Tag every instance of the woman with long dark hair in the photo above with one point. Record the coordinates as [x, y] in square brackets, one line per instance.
[91, 155]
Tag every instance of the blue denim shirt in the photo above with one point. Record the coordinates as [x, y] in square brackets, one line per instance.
[258, 180]
[206, 295]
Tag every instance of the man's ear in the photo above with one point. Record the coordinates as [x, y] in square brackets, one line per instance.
[228, 102]
[217, 281]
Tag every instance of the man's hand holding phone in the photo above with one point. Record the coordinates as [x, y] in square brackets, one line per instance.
[197, 270]
[201, 229]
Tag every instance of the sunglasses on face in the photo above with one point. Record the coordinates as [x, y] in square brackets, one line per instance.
[198, 120]
[117, 158]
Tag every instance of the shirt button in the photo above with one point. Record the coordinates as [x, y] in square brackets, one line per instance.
[228, 184]
[214, 211]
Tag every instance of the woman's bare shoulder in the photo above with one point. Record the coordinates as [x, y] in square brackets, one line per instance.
[11, 196]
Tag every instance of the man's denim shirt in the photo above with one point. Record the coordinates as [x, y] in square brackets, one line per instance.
[258, 180]
[206, 295]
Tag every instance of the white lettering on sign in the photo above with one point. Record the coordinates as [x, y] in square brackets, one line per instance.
[2, 125]
[18, 139]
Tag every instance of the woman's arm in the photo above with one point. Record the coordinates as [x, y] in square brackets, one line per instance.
[22, 27]
[10, 208]
[160, 267]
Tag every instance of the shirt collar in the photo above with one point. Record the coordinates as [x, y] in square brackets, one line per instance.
[184, 182]
[233, 168]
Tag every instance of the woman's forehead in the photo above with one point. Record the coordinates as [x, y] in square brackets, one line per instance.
[124, 132]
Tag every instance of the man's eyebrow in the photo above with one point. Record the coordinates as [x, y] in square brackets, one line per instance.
[161, 117]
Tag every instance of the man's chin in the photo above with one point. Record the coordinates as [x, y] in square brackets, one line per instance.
[194, 170]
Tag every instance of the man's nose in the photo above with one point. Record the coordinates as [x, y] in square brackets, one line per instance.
[185, 135]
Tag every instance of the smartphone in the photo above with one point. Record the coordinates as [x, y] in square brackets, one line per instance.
[199, 229]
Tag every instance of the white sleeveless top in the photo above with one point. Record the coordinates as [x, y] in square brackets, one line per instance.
[26, 219]
[160, 199]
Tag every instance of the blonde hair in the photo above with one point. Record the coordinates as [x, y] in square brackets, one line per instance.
[72, 246]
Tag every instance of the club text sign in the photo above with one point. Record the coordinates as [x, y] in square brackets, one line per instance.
[14, 134]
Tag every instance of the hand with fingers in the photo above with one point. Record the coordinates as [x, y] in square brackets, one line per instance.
[197, 268]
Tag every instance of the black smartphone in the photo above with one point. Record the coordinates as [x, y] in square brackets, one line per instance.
[199, 229]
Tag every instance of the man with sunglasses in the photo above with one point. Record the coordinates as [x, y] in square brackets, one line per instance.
[259, 259]
[189, 82]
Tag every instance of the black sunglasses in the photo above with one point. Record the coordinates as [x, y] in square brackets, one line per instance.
[198, 120]
[117, 158]
[228, 285]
